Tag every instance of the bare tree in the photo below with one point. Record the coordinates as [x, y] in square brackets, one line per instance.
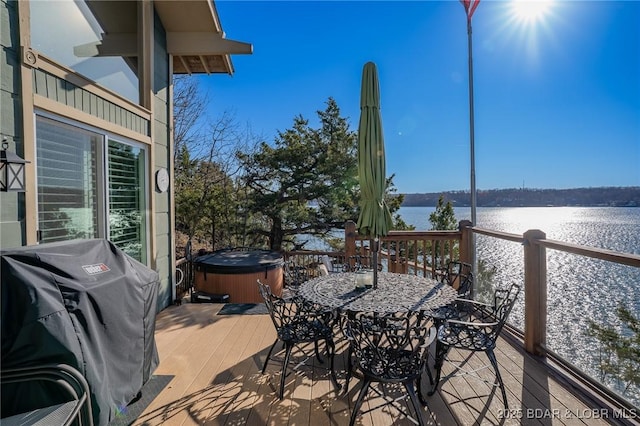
[189, 107]
[205, 165]
[218, 158]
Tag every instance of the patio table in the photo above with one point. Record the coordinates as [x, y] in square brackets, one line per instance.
[395, 293]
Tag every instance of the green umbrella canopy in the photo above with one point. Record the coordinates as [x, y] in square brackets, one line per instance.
[375, 218]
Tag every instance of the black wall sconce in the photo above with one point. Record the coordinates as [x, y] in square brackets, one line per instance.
[12, 177]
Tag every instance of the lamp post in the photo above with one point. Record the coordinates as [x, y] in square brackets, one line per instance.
[12, 176]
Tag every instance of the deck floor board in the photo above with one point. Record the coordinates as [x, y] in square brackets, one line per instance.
[215, 361]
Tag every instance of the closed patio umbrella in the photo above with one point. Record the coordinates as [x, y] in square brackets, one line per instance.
[375, 218]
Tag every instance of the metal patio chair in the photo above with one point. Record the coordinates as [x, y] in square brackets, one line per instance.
[357, 262]
[458, 275]
[295, 275]
[478, 332]
[389, 348]
[70, 383]
[298, 321]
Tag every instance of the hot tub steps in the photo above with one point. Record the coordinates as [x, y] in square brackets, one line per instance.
[202, 297]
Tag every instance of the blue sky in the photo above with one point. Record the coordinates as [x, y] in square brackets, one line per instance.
[557, 98]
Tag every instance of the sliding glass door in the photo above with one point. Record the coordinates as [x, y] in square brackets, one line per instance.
[127, 206]
[91, 185]
[68, 187]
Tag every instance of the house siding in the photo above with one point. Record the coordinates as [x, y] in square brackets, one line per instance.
[12, 220]
[161, 80]
[107, 109]
[66, 93]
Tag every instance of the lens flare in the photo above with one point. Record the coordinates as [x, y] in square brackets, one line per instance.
[531, 11]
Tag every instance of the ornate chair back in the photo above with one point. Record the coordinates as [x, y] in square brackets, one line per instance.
[503, 301]
[477, 331]
[390, 348]
[295, 275]
[280, 311]
[298, 321]
[458, 275]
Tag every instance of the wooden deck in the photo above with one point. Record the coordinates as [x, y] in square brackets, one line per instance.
[215, 362]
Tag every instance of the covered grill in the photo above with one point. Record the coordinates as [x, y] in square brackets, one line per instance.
[235, 272]
[83, 303]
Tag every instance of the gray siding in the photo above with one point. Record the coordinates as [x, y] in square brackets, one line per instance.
[12, 224]
[12, 232]
[161, 78]
[60, 90]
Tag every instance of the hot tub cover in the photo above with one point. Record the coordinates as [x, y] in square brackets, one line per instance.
[235, 261]
[84, 303]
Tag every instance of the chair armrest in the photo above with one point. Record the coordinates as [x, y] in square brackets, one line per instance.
[474, 324]
[473, 308]
[310, 310]
[474, 303]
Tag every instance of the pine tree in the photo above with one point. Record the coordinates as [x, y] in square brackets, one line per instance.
[619, 350]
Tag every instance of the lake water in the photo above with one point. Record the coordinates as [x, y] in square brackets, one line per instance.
[579, 288]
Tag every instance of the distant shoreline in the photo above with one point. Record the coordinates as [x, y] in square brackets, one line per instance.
[498, 207]
[519, 197]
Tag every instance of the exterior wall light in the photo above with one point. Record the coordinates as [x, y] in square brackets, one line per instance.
[12, 177]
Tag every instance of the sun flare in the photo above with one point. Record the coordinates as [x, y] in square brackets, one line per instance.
[531, 11]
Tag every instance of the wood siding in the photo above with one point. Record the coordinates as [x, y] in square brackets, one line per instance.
[241, 288]
[62, 91]
[164, 250]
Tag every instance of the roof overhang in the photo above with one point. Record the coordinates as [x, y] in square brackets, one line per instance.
[194, 35]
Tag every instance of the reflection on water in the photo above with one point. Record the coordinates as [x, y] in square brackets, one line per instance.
[579, 288]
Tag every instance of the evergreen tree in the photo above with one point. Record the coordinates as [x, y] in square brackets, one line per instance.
[443, 218]
[306, 183]
[619, 350]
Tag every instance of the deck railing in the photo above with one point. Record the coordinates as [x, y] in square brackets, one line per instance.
[184, 277]
[535, 276]
[411, 252]
[536, 309]
[419, 252]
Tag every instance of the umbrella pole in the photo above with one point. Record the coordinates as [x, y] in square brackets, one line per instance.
[376, 247]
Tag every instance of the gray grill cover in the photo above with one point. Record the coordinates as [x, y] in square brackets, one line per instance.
[84, 303]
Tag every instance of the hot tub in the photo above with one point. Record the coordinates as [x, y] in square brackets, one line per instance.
[235, 272]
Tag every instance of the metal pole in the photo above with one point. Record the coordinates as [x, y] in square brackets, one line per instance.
[472, 150]
[471, 128]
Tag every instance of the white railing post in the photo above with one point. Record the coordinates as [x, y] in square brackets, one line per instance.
[535, 293]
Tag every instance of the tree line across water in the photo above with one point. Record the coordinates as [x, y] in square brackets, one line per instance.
[525, 197]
